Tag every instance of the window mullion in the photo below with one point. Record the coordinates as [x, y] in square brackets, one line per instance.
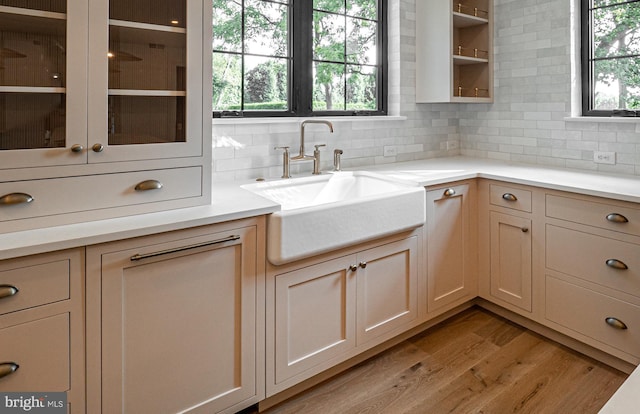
[302, 29]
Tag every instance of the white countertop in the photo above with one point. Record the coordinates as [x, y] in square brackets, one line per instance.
[230, 202]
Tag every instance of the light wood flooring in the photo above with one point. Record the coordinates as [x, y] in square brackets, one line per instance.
[474, 362]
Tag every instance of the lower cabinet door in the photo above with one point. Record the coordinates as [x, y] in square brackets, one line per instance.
[387, 280]
[511, 259]
[450, 248]
[179, 324]
[314, 317]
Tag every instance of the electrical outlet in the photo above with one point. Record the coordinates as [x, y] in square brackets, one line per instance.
[390, 151]
[604, 157]
[453, 145]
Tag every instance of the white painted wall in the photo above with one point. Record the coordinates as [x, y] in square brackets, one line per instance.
[525, 123]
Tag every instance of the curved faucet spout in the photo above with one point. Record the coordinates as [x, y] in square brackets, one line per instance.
[301, 155]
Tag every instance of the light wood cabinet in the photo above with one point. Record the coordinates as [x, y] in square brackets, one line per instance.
[98, 90]
[175, 322]
[322, 314]
[511, 259]
[452, 258]
[592, 285]
[511, 244]
[42, 325]
[454, 57]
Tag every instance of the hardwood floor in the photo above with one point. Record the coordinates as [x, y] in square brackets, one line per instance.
[475, 362]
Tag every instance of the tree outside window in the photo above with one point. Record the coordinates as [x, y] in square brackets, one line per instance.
[298, 57]
[611, 57]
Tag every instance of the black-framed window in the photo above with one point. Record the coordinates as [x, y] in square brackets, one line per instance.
[610, 57]
[299, 58]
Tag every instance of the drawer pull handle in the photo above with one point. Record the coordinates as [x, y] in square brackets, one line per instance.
[148, 185]
[509, 197]
[7, 291]
[15, 198]
[138, 257]
[8, 368]
[617, 218]
[449, 192]
[615, 323]
[616, 264]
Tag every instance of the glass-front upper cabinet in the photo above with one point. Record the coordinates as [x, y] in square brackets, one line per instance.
[145, 79]
[43, 80]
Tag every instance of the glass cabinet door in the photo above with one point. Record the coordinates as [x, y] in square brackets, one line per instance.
[145, 80]
[42, 82]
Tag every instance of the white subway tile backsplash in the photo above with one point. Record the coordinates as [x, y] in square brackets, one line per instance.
[526, 122]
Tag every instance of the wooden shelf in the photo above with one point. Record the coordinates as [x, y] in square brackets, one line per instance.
[144, 92]
[465, 20]
[146, 26]
[18, 11]
[468, 60]
[31, 89]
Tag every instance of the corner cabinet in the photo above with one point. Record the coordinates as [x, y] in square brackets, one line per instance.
[454, 56]
[102, 101]
[173, 321]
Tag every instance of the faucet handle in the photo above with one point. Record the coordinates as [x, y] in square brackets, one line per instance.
[285, 161]
[336, 159]
[320, 145]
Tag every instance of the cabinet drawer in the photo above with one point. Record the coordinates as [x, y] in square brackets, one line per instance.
[585, 311]
[591, 213]
[29, 286]
[41, 350]
[94, 192]
[594, 258]
[510, 197]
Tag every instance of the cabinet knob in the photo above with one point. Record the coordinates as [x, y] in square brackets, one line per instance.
[616, 264]
[8, 368]
[525, 229]
[615, 323]
[617, 218]
[509, 197]
[77, 148]
[148, 185]
[97, 147]
[7, 291]
[449, 192]
[363, 264]
[353, 267]
[15, 198]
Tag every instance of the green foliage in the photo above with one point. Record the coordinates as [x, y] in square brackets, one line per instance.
[616, 33]
[342, 43]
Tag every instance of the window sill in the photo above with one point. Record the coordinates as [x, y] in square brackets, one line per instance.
[616, 119]
[294, 120]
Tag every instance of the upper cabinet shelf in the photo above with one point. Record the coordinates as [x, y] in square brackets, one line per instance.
[454, 58]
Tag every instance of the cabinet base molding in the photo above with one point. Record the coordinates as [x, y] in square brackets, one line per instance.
[325, 375]
[558, 337]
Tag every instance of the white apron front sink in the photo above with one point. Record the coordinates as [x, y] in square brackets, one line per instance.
[327, 212]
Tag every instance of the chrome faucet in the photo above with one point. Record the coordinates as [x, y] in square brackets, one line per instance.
[316, 155]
